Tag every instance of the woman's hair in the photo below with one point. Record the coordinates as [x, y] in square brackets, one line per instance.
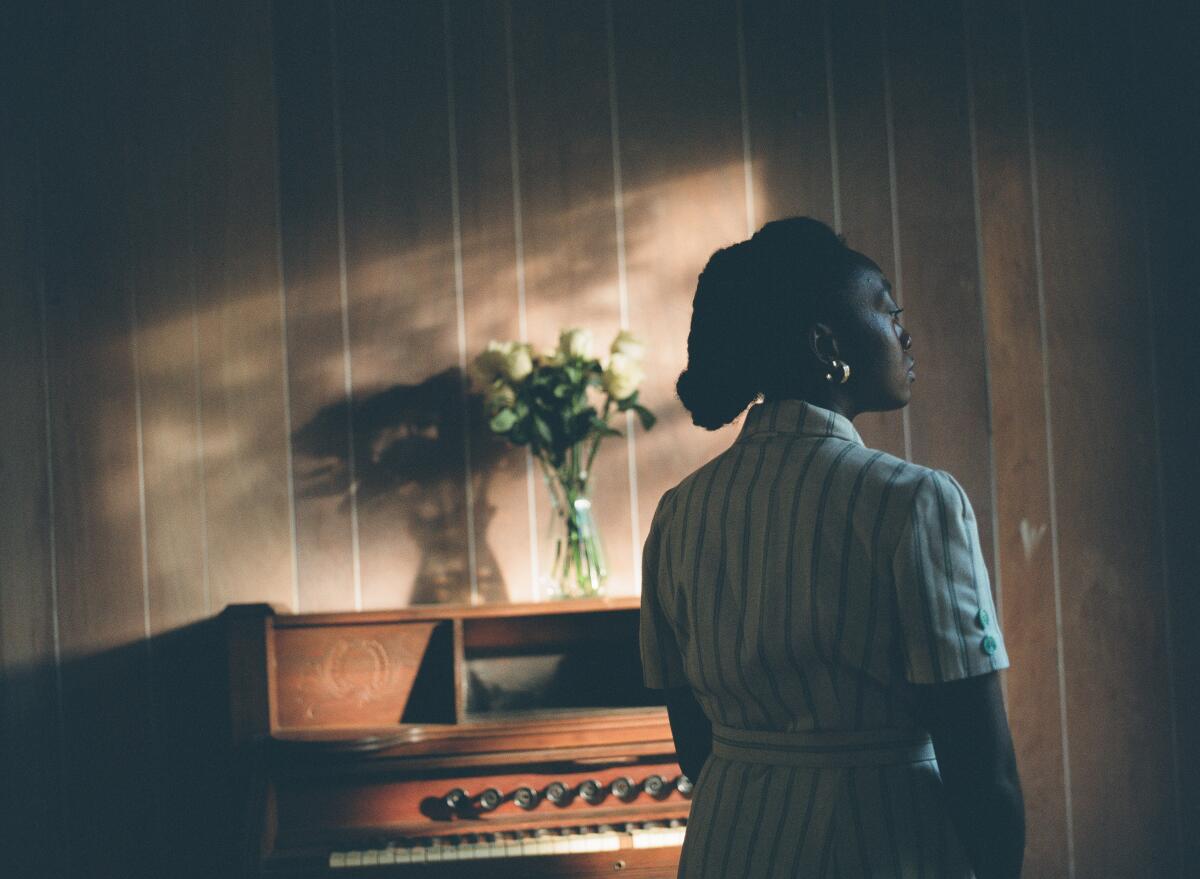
[753, 302]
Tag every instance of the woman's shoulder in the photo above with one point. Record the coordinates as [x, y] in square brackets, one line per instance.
[909, 480]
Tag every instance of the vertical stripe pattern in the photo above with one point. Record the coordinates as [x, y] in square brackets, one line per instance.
[797, 583]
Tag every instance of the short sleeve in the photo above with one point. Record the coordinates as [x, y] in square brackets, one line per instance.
[948, 625]
[662, 663]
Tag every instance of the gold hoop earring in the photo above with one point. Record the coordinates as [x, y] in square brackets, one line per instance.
[842, 370]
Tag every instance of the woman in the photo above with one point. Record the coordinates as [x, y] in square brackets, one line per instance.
[817, 612]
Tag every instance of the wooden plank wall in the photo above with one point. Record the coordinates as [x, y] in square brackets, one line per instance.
[249, 247]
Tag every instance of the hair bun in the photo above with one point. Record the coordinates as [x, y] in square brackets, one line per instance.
[714, 399]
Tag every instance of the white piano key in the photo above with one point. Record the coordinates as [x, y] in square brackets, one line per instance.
[337, 859]
[433, 854]
[494, 849]
[354, 859]
[370, 858]
[657, 838]
[388, 856]
[417, 854]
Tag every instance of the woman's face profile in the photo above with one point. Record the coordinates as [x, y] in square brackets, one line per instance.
[876, 345]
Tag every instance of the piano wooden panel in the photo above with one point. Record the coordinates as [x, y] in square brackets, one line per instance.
[432, 740]
[347, 676]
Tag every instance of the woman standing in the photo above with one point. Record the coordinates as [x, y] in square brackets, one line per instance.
[818, 612]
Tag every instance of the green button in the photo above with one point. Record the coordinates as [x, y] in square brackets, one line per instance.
[989, 645]
[983, 618]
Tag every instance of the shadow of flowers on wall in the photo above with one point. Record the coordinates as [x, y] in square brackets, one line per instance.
[410, 450]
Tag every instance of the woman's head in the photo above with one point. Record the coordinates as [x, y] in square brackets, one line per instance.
[779, 314]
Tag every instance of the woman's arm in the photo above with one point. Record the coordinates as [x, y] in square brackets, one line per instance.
[969, 726]
[690, 729]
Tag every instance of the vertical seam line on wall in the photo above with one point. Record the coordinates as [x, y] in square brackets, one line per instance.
[344, 305]
[459, 294]
[52, 536]
[623, 283]
[283, 340]
[132, 279]
[893, 190]
[197, 382]
[968, 60]
[1160, 480]
[1035, 204]
[514, 154]
[141, 460]
[744, 97]
[831, 113]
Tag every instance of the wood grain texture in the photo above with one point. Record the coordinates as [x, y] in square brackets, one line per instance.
[1169, 102]
[167, 192]
[569, 225]
[238, 291]
[684, 196]
[162, 278]
[788, 109]
[409, 435]
[310, 239]
[95, 457]
[30, 732]
[948, 416]
[506, 534]
[1103, 446]
[1015, 362]
[864, 191]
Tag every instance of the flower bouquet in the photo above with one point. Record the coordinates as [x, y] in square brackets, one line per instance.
[558, 403]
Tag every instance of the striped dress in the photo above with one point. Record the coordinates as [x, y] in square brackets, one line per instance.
[799, 583]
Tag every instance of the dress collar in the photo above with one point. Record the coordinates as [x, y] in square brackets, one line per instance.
[796, 417]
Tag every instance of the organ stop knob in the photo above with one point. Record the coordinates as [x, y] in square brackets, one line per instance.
[683, 784]
[623, 788]
[489, 799]
[591, 791]
[526, 798]
[656, 786]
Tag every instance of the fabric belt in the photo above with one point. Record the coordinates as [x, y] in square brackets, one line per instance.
[877, 747]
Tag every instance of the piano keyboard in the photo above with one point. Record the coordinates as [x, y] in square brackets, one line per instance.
[518, 844]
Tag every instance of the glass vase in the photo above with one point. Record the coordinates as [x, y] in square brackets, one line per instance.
[572, 564]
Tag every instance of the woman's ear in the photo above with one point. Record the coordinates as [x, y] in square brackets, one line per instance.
[822, 343]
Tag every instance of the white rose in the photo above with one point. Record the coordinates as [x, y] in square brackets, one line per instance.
[576, 343]
[501, 397]
[518, 362]
[629, 345]
[622, 376]
[489, 366]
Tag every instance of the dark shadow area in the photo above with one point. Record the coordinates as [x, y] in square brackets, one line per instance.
[409, 445]
[146, 773]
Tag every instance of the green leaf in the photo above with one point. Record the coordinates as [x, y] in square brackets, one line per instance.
[646, 416]
[543, 430]
[503, 421]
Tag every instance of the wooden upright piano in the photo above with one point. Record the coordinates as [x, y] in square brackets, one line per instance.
[504, 740]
